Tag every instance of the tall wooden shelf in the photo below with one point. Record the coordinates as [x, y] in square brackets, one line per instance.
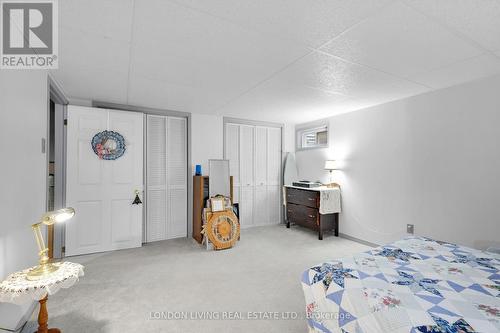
[200, 195]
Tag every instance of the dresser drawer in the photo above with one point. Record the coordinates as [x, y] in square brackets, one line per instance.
[303, 215]
[302, 197]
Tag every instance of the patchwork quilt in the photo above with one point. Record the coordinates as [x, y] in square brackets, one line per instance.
[415, 285]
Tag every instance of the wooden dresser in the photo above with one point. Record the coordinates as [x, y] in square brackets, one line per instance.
[303, 208]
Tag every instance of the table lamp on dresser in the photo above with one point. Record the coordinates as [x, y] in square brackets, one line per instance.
[36, 283]
[331, 165]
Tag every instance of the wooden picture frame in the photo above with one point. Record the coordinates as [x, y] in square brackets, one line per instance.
[217, 204]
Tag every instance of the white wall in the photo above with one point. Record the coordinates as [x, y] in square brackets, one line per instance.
[288, 138]
[206, 139]
[432, 160]
[23, 122]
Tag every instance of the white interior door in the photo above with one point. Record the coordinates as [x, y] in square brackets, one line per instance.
[246, 206]
[233, 152]
[102, 191]
[247, 160]
[260, 156]
[177, 177]
[156, 178]
[254, 154]
[274, 175]
[166, 175]
[260, 207]
[247, 155]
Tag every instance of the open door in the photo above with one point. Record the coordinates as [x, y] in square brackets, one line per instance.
[103, 191]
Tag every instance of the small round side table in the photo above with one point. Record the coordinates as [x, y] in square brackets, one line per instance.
[16, 288]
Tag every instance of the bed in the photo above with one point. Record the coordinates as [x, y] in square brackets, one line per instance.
[413, 285]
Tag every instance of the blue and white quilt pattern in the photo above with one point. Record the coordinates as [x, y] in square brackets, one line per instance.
[415, 285]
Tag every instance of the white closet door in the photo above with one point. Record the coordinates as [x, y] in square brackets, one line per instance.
[177, 177]
[273, 174]
[247, 161]
[166, 178]
[260, 209]
[232, 152]
[254, 154]
[125, 177]
[247, 155]
[102, 191]
[85, 183]
[246, 206]
[156, 198]
[261, 156]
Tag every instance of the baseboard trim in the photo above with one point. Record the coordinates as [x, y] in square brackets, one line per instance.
[357, 240]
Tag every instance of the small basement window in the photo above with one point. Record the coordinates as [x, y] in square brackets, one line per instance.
[309, 138]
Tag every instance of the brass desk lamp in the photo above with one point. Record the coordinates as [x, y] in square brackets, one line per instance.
[45, 267]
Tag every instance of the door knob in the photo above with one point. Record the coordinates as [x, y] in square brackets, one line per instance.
[137, 200]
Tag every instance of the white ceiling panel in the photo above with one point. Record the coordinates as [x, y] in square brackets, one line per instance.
[189, 48]
[164, 95]
[460, 72]
[308, 22]
[280, 60]
[93, 51]
[332, 74]
[479, 20]
[320, 84]
[93, 84]
[110, 18]
[401, 41]
[295, 102]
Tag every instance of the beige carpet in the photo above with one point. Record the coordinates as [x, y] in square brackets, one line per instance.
[261, 274]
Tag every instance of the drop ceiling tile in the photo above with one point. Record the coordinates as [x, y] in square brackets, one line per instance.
[184, 47]
[144, 91]
[335, 75]
[88, 50]
[110, 18]
[460, 72]
[478, 20]
[318, 86]
[93, 84]
[401, 41]
[279, 99]
[309, 22]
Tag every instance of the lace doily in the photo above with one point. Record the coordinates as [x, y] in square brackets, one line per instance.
[17, 289]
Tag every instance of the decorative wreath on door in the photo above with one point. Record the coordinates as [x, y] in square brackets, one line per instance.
[222, 229]
[108, 145]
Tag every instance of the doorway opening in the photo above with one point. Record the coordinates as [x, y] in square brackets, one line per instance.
[56, 165]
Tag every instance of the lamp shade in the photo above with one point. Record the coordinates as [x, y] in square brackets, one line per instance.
[331, 165]
[60, 215]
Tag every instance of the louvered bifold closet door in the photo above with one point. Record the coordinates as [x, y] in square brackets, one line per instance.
[261, 211]
[177, 177]
[232, 154]
[247, 160]
[156, 177]
[274, 174]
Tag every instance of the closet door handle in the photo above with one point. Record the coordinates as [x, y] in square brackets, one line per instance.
[137, 200]
[311, 199]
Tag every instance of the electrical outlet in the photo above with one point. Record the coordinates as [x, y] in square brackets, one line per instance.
[410, 229]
